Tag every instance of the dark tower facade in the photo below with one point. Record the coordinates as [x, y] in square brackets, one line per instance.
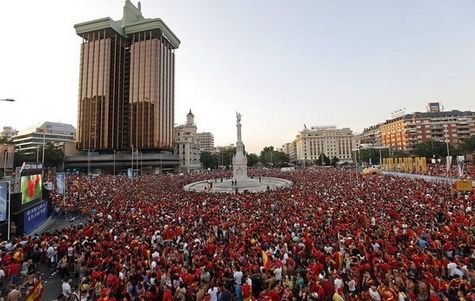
[126, 83]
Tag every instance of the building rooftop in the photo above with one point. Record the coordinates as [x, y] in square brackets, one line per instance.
[453, 113]
[48, 126]
[132, 22]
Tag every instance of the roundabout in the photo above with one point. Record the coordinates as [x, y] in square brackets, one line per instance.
[256, 184]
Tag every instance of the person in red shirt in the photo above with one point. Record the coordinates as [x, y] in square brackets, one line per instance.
[167, 293]
[246, 291]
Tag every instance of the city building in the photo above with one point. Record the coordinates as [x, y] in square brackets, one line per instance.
[311, 143]
[404, 132]
[371, 135]
[126, 83]
[291, 150]
[205, 142]
[186, 145]
[41, 134]
[126, 96]
[7, 133]
[7, 152]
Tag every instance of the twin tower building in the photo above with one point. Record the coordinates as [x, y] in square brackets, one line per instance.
[126, 83]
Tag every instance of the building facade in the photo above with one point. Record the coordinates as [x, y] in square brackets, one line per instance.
[311, 143]
[126, 83]
[404, 132]
[48, 132]
[7, 133]
[205, 142]
[291, 150]
[186, 145]
[7, 152]
[371, 135]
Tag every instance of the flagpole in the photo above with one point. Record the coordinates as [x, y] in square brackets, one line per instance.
[9, 213]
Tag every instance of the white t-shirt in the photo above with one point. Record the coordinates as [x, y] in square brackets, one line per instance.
[338, 283]
[451, 266]
[213, 294]
[278, 274]
[352, 285]
[238, 277]
[66, 289]
[50, 251]
[374, 295]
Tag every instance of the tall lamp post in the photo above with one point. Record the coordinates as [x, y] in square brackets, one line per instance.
[114, 161]
[132, 160]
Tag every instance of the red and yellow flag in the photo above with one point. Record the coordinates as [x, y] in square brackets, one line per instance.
[266, 261]
[35, 293]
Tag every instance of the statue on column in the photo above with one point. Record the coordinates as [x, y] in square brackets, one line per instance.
[239, 159]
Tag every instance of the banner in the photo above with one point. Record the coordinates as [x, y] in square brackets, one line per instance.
[460, 165]
[449, 162]
[3, 200]
[35, 217]
[463, 185]
[60, 182]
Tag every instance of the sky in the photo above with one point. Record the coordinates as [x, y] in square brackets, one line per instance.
[280, 63]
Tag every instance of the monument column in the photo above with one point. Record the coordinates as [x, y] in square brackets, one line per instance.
[239, 159]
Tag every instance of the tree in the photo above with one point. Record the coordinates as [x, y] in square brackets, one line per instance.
[326, 161]
[467, 146]
[372, 155]
[252, 159]
[209, 160]
[53, 156]
[433, 148]
[271, 158]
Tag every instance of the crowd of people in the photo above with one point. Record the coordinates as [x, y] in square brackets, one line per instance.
[465, 171]
[331, 236]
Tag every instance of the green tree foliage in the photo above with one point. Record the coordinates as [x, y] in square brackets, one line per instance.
[271, 158]
[53, 156]
[252, 159]
[432, 149]
[467, 146]
[323, 160]
[372, 154]
[209, 160]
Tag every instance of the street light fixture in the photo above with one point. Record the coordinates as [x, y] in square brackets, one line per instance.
[114, 160]
[7, 99]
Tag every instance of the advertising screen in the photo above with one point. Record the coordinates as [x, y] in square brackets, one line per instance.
[35, 217]
[3, 200]
[31, 188]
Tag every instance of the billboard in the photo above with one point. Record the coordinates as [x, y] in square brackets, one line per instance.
[35, 217]
[3, 200]
[31, 188]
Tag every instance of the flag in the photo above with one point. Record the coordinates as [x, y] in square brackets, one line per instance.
[266, 261]
[35, 293]
[449, 163]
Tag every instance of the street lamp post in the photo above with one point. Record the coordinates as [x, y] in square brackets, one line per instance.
[43, 154]
[88, 162]
[114, 161]
[132, 160]
[5, 158]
